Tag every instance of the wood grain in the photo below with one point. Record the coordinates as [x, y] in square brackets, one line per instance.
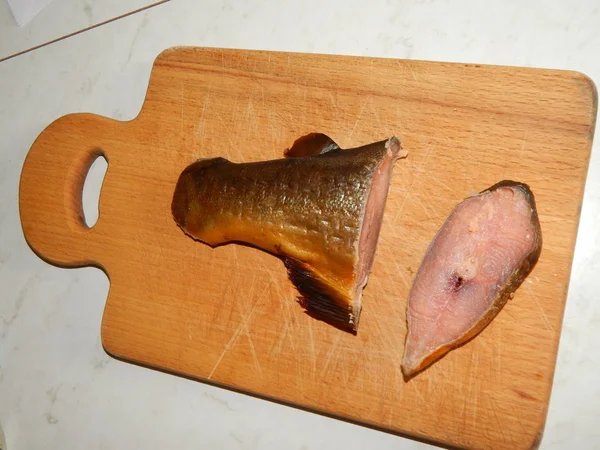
[229, 315]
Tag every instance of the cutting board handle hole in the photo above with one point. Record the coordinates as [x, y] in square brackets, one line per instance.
[90, 195]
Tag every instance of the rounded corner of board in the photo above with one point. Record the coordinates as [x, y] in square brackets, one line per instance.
[174, 53]
[588, 87]
[587, 81]
[108, 347]
[534, 439]
[167, 53]
[537, 438]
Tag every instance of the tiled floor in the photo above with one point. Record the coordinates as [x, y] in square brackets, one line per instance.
[59, 19]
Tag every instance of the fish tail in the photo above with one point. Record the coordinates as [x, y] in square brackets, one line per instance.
[318, 298]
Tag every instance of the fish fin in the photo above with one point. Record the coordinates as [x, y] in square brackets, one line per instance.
[318, 297]
[202, 163]
[311, 145]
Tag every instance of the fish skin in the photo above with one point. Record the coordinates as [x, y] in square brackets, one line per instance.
[506, 291]
[306, 208]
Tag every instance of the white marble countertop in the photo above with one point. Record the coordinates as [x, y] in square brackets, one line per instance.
[58, 388]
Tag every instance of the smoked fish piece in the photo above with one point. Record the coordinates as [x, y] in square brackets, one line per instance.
[485, 249]
[319, 209]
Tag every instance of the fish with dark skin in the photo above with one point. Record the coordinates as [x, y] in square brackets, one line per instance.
[478, 259]
[319, 209]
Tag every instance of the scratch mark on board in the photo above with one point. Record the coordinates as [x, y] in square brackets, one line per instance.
[413, 183]
[358, 118]
[418, 198]
[234, 337]
[253, 351]
[412, 72]
[438, 181]
[332, 351]
[333, 102]
[313, 355]
[537, 301]
[498, 421]
[201, 121]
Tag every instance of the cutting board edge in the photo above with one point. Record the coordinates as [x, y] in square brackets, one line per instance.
[587, 80]
[536, 435]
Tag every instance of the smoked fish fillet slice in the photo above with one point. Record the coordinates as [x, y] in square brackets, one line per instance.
[485, 249]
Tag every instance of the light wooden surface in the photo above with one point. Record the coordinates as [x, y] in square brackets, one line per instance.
[229, 315]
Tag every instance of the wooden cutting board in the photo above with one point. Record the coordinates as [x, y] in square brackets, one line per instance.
[230, 316]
